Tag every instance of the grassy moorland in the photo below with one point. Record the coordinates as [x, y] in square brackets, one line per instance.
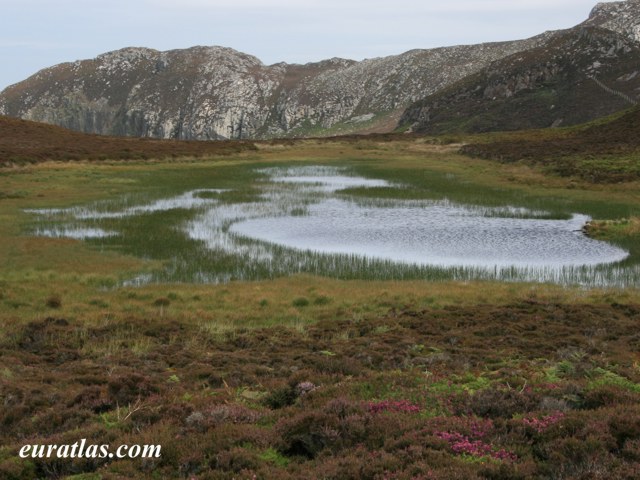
[309, 376]
[604, 151]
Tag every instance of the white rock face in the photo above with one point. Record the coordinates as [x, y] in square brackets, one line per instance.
[622, 17]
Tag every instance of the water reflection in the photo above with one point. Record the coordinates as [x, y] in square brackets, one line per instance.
[423, 232]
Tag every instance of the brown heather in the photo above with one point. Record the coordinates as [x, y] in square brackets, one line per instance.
[473, 371]
[23, 142]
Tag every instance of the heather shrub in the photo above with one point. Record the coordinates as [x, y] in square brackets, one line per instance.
[338, 467]
[306, 434]
[358, 463]
[505, 471]
[303, 388]
[402, 406]
[553, 404]
[541, 424]
[127, 388]
[12, 416]
[576, 451]
[235, 460]
[333, 365]
[340, 424]
[342, 407]
[14, 468]
[501, 403]
[608, 395]
[624, 425]
[281, 397]
[92, 398]
[631, 450]
[233, 413]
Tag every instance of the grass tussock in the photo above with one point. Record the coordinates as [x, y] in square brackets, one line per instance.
[612, 229]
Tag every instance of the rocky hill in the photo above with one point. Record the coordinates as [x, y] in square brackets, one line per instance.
[578, 75]
[215, 92]
[622, 17]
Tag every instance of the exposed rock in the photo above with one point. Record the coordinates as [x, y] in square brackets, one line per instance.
[622, 17]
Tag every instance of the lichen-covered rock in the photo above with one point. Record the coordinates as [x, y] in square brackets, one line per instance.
[621, 17]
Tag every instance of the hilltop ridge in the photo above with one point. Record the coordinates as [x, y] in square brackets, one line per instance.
[215, 92]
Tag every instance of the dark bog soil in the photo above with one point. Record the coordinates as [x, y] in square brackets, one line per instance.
[532, 390]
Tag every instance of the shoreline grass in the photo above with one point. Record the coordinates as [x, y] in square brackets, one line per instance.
[155, 229]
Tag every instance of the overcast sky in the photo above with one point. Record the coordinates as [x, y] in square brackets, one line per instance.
[35, 34]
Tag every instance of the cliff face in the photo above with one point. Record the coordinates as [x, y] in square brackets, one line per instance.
[215, 92]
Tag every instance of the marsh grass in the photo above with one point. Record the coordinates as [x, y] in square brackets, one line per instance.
[90, 275]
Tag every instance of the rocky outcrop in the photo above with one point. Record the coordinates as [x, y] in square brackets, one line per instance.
[217, 93]
[621, 17]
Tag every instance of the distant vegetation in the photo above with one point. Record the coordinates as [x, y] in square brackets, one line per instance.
[604, 151]
[23, 142]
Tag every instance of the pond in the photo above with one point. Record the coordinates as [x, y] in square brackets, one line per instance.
[427, 232]
[304, 221]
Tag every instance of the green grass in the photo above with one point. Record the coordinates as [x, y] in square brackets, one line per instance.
[88, 275]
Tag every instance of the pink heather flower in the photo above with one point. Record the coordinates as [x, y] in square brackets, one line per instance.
[462, 445]
[392, 406]
[541, 424]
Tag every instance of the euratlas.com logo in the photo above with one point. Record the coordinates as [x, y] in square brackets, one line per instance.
[82, 450]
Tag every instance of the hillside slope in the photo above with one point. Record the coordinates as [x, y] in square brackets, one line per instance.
[581, 75]
[578, 75]
[24, 141]
[604, 151]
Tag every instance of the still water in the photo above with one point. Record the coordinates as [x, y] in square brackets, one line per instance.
[426, 233]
